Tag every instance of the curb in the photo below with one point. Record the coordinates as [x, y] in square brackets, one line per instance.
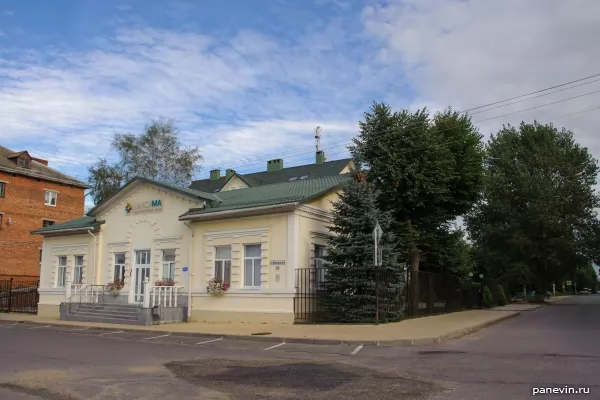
[336, 342]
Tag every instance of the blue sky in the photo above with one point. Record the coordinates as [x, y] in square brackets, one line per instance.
[250, 80]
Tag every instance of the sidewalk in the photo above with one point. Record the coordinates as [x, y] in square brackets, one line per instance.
[417, 331]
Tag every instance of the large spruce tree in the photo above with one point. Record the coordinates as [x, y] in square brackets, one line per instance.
[351, 279]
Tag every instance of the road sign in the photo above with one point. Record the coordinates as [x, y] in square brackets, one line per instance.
[184, 269]
[569, 283]
[377, 254]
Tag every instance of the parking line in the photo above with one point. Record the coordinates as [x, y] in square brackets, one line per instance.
[356, 350]
[156, 337]
[39, 327]
[16, 323]
[272, 347]
[208, 341]
[80, 329]
[110, 333]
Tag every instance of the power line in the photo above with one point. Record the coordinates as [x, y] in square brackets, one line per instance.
[475, 122]
[296, 151]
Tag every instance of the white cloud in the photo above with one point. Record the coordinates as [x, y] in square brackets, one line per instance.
[236, 98]
[467, 53]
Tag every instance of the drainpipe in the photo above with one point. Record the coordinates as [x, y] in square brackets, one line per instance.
[190, 264]
[95, 248]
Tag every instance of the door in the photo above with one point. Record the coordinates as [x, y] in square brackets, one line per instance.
[142, 271]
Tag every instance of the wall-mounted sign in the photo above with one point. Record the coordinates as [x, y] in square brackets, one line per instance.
[184, 269]
[278, 262]
[145, 206]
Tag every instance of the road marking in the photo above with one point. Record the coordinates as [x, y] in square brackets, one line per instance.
[39, 327]
[208, 341]
[16, 323]
[110, 333]
[80, 329]
[156, 337]
[272, 347]
[356, 350]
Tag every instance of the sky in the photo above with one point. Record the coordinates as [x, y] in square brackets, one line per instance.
[247, 81]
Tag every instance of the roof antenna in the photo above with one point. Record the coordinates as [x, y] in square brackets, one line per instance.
[318, 137]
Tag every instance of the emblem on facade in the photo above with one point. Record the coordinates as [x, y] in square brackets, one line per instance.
[128, 208]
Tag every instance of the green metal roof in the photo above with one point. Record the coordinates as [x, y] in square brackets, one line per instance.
[79, 223]
[197, 194]
[310, 171]
[278, 193]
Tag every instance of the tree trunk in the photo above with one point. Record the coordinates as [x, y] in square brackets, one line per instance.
[415, 259]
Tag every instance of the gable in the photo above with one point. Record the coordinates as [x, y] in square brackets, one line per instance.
[146, 200]
[234, 183]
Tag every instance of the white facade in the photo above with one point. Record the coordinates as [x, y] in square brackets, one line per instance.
[259, 254]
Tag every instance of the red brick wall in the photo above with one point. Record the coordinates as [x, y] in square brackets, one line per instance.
[23, 203]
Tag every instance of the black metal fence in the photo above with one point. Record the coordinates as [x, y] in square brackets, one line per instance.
[19, 296]
[374, 296]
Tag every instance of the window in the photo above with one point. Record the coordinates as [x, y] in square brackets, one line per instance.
[50, 199]
[120, 266]
[252, 265]
[2, 189]
[62, 271]
[293, 178]
[320, 271]
[169, 264]
[40, 256]
[223, 263]
[304, 177]
[23, 162]
[142, 257]
[47, 222]
[1, 220]
[78, 271]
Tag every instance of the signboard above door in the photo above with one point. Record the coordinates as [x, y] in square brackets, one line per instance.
[144, 207]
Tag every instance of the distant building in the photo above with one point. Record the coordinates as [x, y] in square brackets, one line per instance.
[32, 196]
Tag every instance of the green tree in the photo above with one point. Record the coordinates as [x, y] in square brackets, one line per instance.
[450, 254]
[155, 154]
[350, 284]
[428, 170]
[536, 221]
[586, 278]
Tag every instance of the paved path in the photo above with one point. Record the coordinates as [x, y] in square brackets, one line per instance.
[555, 345]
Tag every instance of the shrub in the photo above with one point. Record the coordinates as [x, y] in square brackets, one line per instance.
[165, 282]
[114, 288]
[217, 287]
[501, 296]
[487, 297]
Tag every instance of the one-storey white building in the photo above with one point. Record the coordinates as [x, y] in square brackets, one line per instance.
[253, 232]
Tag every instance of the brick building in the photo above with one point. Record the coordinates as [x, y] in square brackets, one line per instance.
[32, 195]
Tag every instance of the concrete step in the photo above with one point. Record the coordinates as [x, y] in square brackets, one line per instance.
[132, 313]
[103, 315]
[119, 307]
[108, 320]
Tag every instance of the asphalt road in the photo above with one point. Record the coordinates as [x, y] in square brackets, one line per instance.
[555, 346]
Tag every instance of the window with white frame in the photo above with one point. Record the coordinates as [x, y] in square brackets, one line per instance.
[61, 277]
[78, 270]
[169, 264]
[50, 199]
[119, 267]
[223, 263]
[252, 265]
[320, 271]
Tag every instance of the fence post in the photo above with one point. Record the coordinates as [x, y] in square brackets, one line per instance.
[146, 293]
[10, 294]
[430, 290]
[377, 295]
[68, 288]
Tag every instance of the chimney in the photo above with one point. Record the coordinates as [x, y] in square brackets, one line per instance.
[215, 174]
[229, 173]
[274, 165]
[320, 157]
[43, 162]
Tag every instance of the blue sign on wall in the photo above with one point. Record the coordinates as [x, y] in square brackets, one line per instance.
[184, 269]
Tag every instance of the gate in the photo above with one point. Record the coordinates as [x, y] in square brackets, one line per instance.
[19, 296]
[308, 307]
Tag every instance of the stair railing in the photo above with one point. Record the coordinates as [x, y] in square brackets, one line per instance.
[89, 294]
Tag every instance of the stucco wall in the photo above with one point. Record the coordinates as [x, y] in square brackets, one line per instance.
[234, 184]
[154, 231]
